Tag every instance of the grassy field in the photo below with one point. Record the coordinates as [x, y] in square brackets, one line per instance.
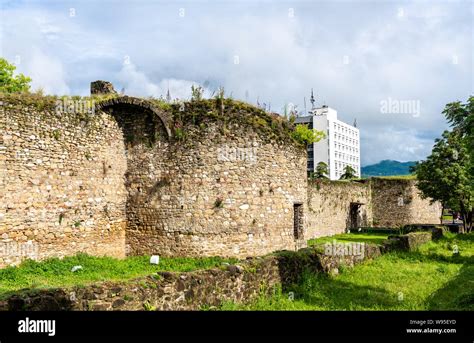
[57, 272]
[374, 238]
[431, 278]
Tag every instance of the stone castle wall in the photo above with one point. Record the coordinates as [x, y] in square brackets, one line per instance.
[117, 183]
[209, 205]
[397, 202]
[61, 184]
[208, 194]
[329, 204]
[383, 203]
[122, 181]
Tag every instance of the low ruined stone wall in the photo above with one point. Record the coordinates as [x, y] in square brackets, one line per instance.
[397, 202]
[411, 241]
[329, 205]
[239, 283]
[189, 290]
[61, 182]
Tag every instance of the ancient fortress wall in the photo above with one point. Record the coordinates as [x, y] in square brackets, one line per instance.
[397, 202]
[376, 202]
[206, 179]
[61, 183]
[209, 193]
[118, 182]
[204, 202]
[329, 207]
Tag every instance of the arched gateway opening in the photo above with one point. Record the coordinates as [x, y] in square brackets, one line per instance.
[140, 120]
[146, 137]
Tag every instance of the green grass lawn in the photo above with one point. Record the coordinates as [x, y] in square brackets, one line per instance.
[375, 238]
[431, 278]
[56, 272]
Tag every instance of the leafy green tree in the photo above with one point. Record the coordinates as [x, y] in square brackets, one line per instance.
[447, 174]
[305, 135]
[461, 118]
[349, 173]
[321, 171]
[10, 83]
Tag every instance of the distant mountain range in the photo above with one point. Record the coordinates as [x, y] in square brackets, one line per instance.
[387, 168]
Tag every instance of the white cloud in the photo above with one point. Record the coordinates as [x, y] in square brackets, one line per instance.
[280, 58]
[47, 29]
[401, 145]
[47, 73]
[137, 83]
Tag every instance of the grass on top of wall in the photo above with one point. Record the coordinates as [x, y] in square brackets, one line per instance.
[431, 278]
[367, 237]
[396, 177]
[230, 114]
[390, 177]
[55, 272]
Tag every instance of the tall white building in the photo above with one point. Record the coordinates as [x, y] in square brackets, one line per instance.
[340, 148]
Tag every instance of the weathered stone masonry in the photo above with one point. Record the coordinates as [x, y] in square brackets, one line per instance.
[62, 184]
[188, 290]
[174, 187]
[75, 183]
[121, 181]
[330, 204]
[398, 203]
[337, 206]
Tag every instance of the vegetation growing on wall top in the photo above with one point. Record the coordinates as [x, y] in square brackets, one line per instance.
[197, 113]
[230, 113]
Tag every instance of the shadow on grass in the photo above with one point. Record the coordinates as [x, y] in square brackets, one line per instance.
[467, 237]
[434, 257]
[457, 294]
[334, 294]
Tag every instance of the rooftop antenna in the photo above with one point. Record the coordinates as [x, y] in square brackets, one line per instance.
[312, 99]
[355, 122]
[168, 96]
[304, 100]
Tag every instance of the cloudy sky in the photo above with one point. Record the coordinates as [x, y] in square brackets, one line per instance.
[362, 58]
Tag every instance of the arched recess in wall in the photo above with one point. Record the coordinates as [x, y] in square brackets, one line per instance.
[140, 121]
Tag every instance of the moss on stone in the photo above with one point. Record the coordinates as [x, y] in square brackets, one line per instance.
[199, 114]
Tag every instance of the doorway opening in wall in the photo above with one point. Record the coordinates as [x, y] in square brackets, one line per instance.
[355, 215]
[298, 220]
